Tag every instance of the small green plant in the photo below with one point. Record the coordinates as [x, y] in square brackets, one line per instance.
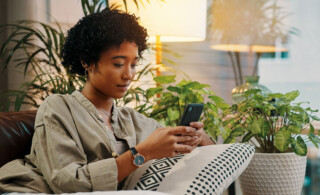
[166, 102]
[272, 122]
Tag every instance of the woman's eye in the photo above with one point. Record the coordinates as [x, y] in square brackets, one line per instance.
[119, 65]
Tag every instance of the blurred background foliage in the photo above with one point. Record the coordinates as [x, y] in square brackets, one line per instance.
[35, 47]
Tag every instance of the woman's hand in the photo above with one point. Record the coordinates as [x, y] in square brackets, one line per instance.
[168, 142]
[203, 138]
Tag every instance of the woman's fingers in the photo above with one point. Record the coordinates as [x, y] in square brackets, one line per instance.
[187, 138]
[192, 143]
[197, 125]
[183, 130]
[182, 148]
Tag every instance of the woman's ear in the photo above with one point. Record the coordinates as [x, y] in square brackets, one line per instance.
[92, 66]
[84, 65]
[88, 68]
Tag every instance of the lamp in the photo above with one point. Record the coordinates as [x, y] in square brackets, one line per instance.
[171, 21]
[250, 26]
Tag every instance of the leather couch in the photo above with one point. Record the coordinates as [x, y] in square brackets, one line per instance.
[16, 131]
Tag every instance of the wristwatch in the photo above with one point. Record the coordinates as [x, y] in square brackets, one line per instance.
[138, 159]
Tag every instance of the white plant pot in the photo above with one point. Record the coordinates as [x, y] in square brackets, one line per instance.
[270, 173]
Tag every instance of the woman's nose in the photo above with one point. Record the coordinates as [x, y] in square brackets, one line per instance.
[128, 73]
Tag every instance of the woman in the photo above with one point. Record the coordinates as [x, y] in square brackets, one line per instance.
[83, 142]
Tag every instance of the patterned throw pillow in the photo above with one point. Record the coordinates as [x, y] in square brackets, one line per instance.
[206, 170]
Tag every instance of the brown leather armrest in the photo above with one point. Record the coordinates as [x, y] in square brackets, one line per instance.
[16, 131]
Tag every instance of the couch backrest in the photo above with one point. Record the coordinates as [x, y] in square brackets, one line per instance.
[16, 131]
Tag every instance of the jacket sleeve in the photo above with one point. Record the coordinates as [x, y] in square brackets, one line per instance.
[60, 157]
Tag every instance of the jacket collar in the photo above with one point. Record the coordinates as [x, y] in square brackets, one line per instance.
[87, 104]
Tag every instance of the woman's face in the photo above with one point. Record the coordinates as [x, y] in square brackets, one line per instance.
[115, 70]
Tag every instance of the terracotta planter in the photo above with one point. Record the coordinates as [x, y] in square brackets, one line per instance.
[274, 174]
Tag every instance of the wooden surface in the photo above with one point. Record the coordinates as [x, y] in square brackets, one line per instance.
[316, 125]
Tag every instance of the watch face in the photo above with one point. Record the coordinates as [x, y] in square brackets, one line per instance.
[138, 160]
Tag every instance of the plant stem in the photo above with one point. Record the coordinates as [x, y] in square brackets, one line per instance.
[255, 69]
[260, 143]
[234, 68]
[237, 54]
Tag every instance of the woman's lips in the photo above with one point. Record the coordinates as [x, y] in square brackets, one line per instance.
[123, 87]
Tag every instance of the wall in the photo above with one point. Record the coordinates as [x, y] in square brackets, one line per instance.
[300, 71]
[3, 20]
[12, 11]
[208, 66]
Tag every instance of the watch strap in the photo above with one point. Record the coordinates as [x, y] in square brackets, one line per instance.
[133, 151]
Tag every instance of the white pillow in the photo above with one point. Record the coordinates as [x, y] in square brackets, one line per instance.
[206, 170]
[102, 193]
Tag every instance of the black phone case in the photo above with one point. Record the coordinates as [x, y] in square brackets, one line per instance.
[192, 113]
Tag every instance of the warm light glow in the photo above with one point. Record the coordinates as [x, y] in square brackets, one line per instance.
[173, 20]
[168, 38]
[259, 27]
[248, 48]
[231, 47]
[160, 67]
[268, 49]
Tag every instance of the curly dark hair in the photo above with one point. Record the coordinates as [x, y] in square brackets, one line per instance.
[98, 32]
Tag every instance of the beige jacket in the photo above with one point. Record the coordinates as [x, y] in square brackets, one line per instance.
[72, 150]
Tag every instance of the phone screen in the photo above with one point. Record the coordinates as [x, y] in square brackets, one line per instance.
[191, 113]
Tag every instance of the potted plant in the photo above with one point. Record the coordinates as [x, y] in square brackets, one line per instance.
[167, 101]
[273, 123]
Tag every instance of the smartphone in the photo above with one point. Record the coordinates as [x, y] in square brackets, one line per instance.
[191, 113]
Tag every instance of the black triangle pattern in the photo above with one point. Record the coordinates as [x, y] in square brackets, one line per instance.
[155, 173]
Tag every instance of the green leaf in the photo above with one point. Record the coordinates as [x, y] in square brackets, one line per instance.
[275, 95]
[216, 98]
[294, 129]
[297, 118]
[315, 118]
[183, 82]
[311, 110]
[228, 140]
[192, 98]
[219, 102]
[165, 79]
[174, 89]
[173, 114]
[282, 139]
[311, 129]
[292, 95]
[247, 137]
[255, 127]
[196, 85]
[264, 129]
[233, 134]
[251, 92]
[298, 146]
[314, 139]
[152, 91]
[162, 122]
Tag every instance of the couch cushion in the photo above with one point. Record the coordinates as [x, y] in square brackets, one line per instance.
[16, 131]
